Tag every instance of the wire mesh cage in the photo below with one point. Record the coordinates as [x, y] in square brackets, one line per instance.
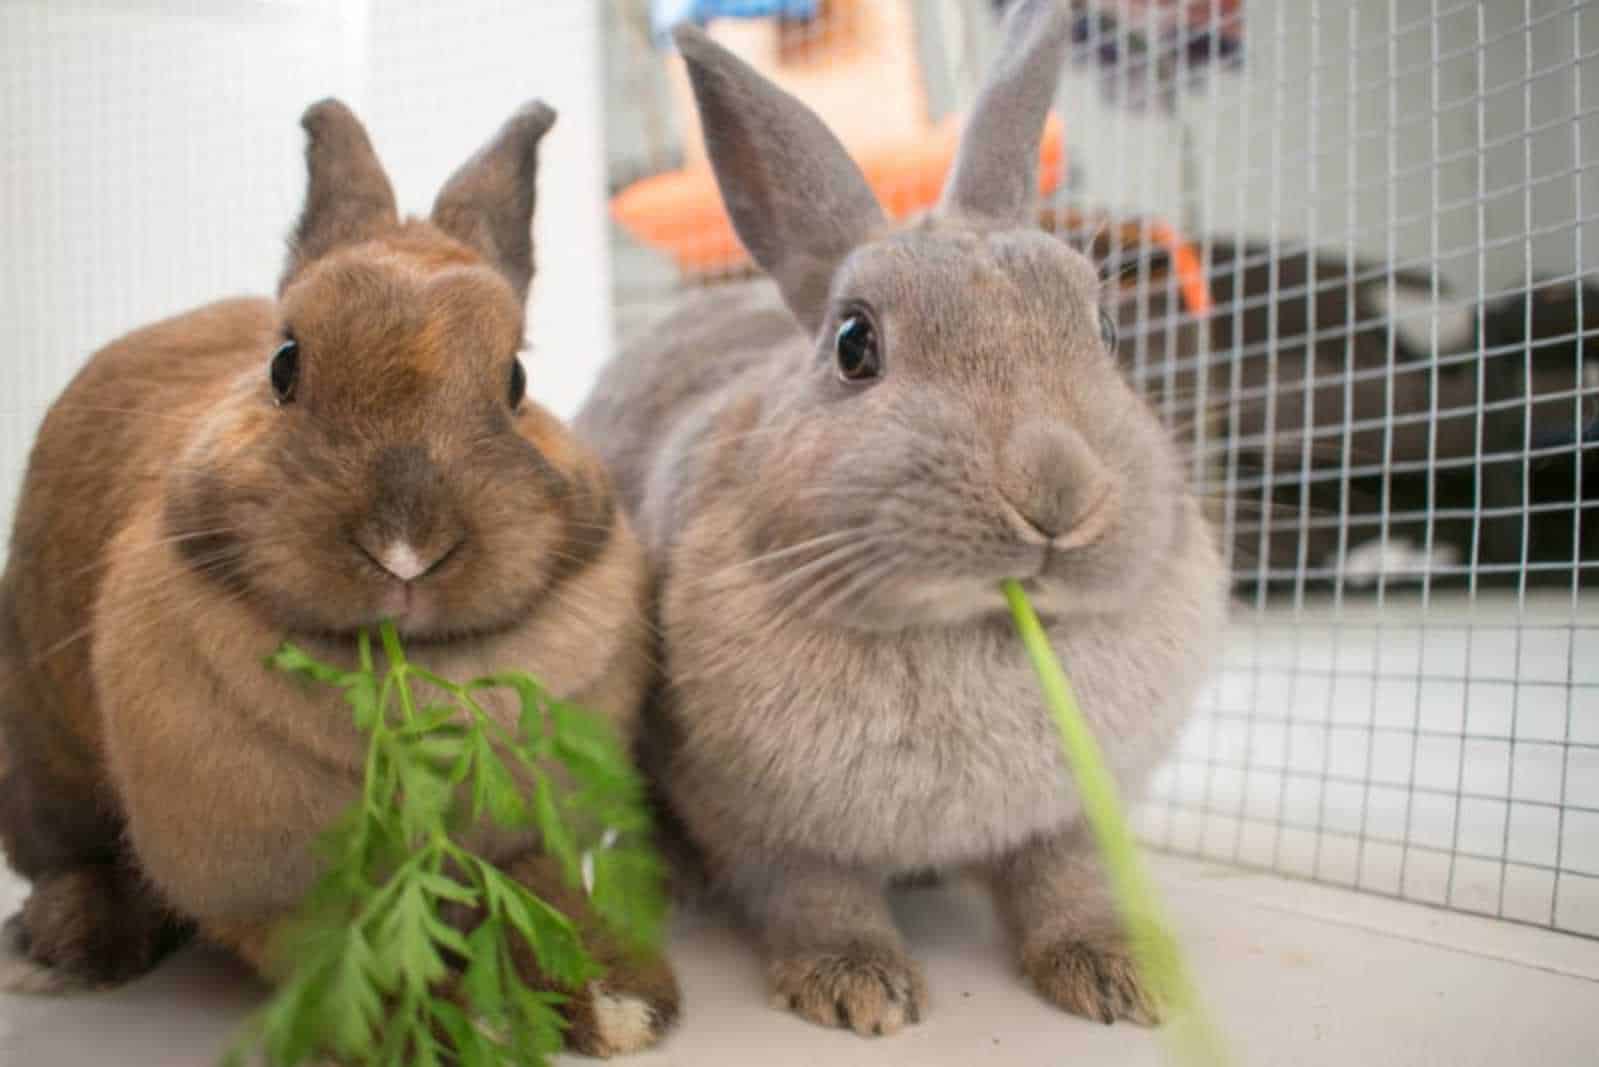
[1348, 246]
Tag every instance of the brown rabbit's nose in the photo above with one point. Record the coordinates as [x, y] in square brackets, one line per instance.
[1055, 489]
[403, 560]
[411, 527]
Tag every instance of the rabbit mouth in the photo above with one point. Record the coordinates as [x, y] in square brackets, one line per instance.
[1091, 526]
[1087, 527]
[402, 602]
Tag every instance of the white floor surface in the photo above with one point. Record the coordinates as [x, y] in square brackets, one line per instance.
[1298, 975]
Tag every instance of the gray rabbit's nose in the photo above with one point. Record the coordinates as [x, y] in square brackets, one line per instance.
[1054, 485]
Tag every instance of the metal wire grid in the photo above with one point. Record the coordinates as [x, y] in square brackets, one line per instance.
[1368, 200]
[1431, 739]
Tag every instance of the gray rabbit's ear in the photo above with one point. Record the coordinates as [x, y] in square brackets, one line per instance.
[996, 170]
[488, 203]
[348, 198]
[797, 200]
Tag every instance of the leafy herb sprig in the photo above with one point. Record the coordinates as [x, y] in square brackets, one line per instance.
[371, 954]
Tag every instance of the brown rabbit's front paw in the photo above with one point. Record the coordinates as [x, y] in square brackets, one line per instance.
[21, 973]
[628, 1010]
[873, 990]
[1094, 978]
[632, 1006]
[88, 928]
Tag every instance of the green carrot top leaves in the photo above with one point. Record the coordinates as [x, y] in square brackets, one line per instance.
[373, 953]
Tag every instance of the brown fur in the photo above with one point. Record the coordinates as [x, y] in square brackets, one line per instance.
[177, 524]
[93, 926]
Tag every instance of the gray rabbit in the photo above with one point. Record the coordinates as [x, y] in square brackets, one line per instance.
[832, 492]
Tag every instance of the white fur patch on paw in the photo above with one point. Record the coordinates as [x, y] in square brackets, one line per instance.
[623, 1023]
[24, 975]
[28, 977]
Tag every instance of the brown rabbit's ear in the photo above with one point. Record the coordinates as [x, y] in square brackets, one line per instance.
[348, 198]
[996, 170]
[488, 203]
[797, 200]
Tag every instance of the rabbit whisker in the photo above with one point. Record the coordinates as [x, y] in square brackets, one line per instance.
[825, 563]
[866, 576]
[768, 557]
[803, 603]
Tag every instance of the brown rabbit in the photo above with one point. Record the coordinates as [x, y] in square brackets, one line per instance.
[834, 476]
[361, 447]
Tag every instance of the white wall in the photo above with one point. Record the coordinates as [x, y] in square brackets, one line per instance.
[442, 78]
[153, 161]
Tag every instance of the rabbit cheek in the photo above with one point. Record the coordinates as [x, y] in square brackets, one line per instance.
[216, 496]
[794, 509]
[197, 524]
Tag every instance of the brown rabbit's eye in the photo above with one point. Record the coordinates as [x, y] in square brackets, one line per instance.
[855, 346]
[1107, 329]
[285, 371]
[518, 383]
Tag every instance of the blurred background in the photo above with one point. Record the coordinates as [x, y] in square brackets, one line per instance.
[1352, 247]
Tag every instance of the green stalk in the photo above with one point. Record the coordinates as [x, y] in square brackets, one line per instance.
[1193, 1036]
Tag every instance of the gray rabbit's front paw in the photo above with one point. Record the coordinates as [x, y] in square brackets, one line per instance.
[871, 989]
[1093, 977]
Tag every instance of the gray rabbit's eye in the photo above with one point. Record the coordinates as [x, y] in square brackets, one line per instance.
[518, 384]
[855, 348]
[1107, 329]
[285, 371]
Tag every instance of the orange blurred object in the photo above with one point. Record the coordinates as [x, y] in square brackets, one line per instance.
[1190, 272]
[680, 212]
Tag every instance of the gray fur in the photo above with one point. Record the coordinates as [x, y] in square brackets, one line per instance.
[996, 170]
[796, 198]
[846, 699]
